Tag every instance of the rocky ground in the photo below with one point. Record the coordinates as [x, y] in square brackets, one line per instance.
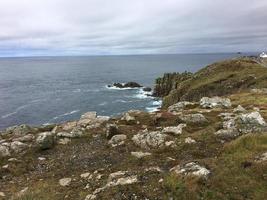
[213, 148]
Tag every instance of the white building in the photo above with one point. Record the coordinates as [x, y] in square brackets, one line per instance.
[263, 55]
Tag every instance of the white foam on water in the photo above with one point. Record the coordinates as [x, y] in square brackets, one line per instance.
[141, 94]
[66, 114]
[16, 111]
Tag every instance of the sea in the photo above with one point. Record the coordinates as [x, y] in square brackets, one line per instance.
[47, 90]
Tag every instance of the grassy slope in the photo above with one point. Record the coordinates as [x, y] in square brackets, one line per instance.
[220, 78]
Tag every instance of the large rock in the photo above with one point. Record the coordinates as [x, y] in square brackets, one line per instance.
[18, 147]
[194, 118]
[230, 133]
[147, 140]
[111, 130]
[191, 169]
[177, 130]
[251, 122]
[214, 102]
[90, 120]
[128, 118]
[65, 182]
[20, 130]
[180, 106]
[4, 151]
[25, 138]
[140, 154]
[126, 85]
[45, 140]
[121, 178]
[117, 140]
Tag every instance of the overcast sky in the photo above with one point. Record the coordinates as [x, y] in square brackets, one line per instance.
[96, 27]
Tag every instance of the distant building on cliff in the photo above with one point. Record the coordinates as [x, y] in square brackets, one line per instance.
[263, 55]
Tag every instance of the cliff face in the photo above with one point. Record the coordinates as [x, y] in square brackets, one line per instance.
[218, 79]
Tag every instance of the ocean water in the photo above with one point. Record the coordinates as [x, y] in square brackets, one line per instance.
[41, 90]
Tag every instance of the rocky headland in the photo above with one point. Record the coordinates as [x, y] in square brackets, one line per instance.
[208, 141]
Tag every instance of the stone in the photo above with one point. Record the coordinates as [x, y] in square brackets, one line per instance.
[25, 138]
[170, 144]
[68, 126]
[18, 147]
[117, 140]
[4, 151]
[64, 141]
[251, 122]
[127, 117]
[5, 166]
[20, 130]
[140, 154]
[191, 169]
[262, 157]
[85, 175]
[111, 130]
[230, 133]
[215, 102]
[180, 106]
[87, 118]
[239, 109]
[65, 182]
[189, 140]
[121, 178]
[2, 194]
[45, 140]
[177, 130]
[196, 118]
[90, 197]
[147, 140]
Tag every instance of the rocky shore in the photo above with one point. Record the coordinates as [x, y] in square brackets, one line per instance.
[209, 141]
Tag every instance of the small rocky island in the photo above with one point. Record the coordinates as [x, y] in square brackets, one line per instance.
[209, 141]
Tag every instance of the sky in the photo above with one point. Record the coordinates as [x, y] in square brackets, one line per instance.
[118, 27]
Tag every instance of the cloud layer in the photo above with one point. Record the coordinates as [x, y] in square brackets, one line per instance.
[96, 27]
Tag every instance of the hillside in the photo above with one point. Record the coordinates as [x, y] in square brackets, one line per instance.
[219, 79]
[211, 148]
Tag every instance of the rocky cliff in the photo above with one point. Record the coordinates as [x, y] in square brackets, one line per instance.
[212, 148]
[219, 79]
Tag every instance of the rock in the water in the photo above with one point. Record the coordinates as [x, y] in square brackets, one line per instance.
[65, 182]
[239, 109]
[180, 106]
[215, 102]
[147, 89]
[45, 140]
[148, 140]
[177, 130]
[140, 154]
[251, 122]
[127, 85]
[117, 140]
[18, 147]
[194, 118]
[112, 129]
[191, 169]
[4, 151]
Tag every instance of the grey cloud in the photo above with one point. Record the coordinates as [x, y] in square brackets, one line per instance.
[78, 27]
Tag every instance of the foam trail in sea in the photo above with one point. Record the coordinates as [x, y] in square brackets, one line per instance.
[66, 114]
[155, 106]
[141, 94]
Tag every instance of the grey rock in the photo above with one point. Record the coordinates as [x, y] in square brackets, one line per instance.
[25, 138]
[147, 140]
[194, 118]
[180, 106]
[65, 182]
[117, 140]
[20, 130]
[4, 151]
[18, 147]
[191, 169]
[45, 140]
[239, 109]
[177, 130]
[230, 133]
[189, 140]
[140, 154]
[215, 102]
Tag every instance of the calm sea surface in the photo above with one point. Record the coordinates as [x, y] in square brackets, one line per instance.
[44, 90]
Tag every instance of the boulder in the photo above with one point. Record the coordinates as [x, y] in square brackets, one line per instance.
[140, 154]
[4, 151]
[126, 85]
[68, 126]
[25, 138]
[262, 157]
[121, 178]
[180, 106]
[111, 130]
[65, 182]
[251, 122]
[147, 89]
[128, 118]
[194, 118]
[189, 140]
[45, 140]
[239, 109]
[147, 140]
[20, 130]
[64, 141]
[191, 169]
[117, 140]
[75, 133]
[177, 130]
[215, 102]
[18, 147]
[230, 133]
[87, 118]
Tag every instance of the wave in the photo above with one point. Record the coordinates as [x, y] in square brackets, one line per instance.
[152, 109]
[16, 111]
[66, 114]
[103, 103]
[141, 94]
